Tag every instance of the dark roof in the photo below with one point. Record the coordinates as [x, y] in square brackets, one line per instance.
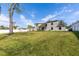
[38, 23]
[60, 25]
[43, 25]
[50, 21]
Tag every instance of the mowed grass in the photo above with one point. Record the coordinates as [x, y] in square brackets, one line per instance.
[40, 44]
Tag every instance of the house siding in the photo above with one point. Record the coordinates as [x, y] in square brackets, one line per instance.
[75, 27]
[52, 26]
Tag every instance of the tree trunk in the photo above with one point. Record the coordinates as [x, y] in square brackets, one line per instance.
[10, 23]
[11, 11]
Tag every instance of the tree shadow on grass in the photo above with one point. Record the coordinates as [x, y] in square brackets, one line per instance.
[5, 36]
[76, 34]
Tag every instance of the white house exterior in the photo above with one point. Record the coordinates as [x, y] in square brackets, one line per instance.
[51, 25]
[75, 26]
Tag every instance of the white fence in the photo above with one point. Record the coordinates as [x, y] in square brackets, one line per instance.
[7, 31]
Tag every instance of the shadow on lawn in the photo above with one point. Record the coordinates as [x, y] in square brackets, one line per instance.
[76, 34]
[5, 36]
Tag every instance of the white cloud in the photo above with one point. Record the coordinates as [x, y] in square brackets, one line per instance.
[4, 20]
[57, 15]
[32, 15]
[22, 17]
[64, 10]
[68, 10]
[76, 13]
[48, 17]
[26, 21]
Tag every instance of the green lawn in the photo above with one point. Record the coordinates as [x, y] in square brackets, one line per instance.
[40, 44]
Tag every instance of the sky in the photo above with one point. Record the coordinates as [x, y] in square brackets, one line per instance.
[32, 13]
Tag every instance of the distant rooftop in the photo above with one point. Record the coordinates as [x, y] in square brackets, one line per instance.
[49, 21]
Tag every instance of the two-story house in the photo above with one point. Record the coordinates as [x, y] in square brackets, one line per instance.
[56, 25]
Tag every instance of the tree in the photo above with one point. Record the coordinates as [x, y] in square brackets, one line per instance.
[30, 27]
[15, 27]
[62, 23]
[11, 9]
[3, 27]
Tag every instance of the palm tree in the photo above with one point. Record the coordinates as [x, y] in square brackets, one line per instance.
[15, 27]
[11, 9]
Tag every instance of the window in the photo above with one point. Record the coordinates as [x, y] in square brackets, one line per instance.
[51, 28]
[59, 28]
[51, 23]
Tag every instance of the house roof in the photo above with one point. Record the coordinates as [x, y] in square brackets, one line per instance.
[74, 23]
[50, 21]
[43, 25]
[38, 24]
[60, 25]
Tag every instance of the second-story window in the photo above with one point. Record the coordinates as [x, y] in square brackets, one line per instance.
[51, 23]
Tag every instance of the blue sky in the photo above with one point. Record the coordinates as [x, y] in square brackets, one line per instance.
[41, 12]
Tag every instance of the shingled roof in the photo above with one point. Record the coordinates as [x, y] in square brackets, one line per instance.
[50, 21]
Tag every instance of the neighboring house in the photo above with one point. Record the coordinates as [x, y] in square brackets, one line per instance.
[32, 29]
[74, 26]
[55, 25]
